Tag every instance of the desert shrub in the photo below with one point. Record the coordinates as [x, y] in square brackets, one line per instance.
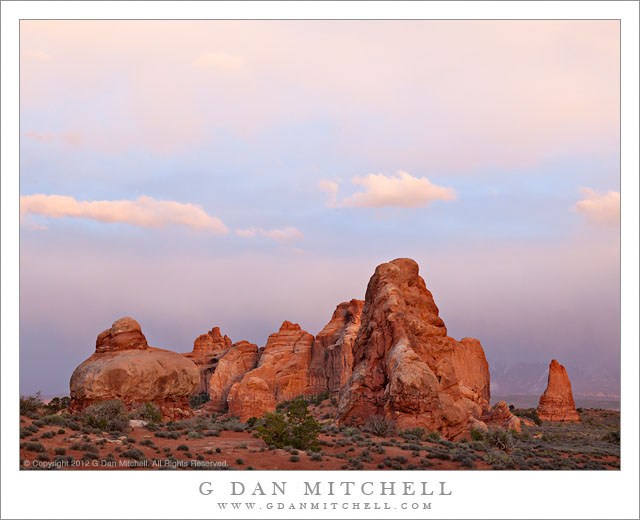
[146, 442]
[379, 425]
[465, 458]
[294, 458]
[414, 434]
[195, 435]
[182, 447]
[212, 433]
[251, 422]
[476, 435]
[195, 401]
[149, 412]
[57, 420]
[43, 457]
[133, 453]
[56, 404]
[60, 451]
[84, 446]
[89, 455]
[297, 429]
[106, 416]
[498, 458]
[30, 404]
[33, 446]
[500, 439]
[48, 435]
[316, 457]
[612, 437]
[529, 413]
[240, 462]
[434, 435]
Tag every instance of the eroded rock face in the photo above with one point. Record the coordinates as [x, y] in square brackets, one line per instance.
[124, 367]
[557, 404]
[282, 374]
[236, 362]
[332, 351]
[499, 416]
[208, 349]
[405, 366]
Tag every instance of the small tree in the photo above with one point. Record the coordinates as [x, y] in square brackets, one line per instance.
[56, 404]
[274, 430]
[304, 427]
[30, 404]
[297, 429]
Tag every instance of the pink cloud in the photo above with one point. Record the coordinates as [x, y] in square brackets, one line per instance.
[144, 212]
[402, 190]
[602, 209]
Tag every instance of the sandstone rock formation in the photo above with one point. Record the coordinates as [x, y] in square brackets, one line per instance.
[332, 351]
[207, 350]
[233, 365]
[557, 404]
[282, 374]
[124, 367]
[499, 416]
[405, 367]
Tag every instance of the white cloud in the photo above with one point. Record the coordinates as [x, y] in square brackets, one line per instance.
[144, 212]
[218, 60]
[599, 209]
[401, 190]
[331, 188]
[282, 236]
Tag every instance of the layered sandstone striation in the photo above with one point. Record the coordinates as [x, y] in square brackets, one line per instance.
[282, 373]
[557, 404]
[332, 351]
[405, 367]
[236, 362]
[124, 367]
[207, 351]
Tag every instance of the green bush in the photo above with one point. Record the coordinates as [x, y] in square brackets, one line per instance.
[297, 429]
[150, 412]
[56, 404]
[434, 435]
[33, 446]
[196, 401]
[500, 439]
[476, 435]
[413, 434]
[106, 416]
[133, 453]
